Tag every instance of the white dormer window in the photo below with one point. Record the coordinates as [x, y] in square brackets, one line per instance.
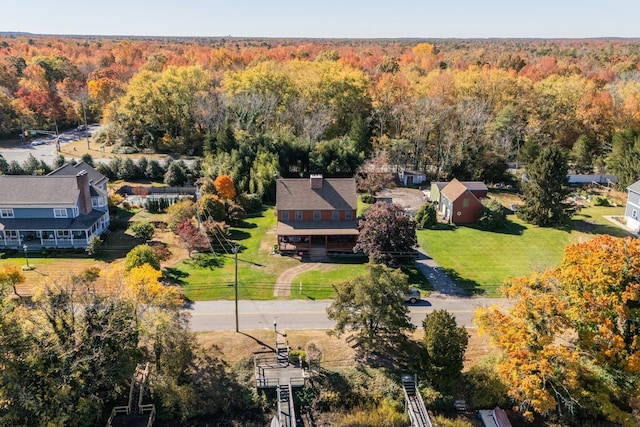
[76, 211]
[6, 213]
[60, 213]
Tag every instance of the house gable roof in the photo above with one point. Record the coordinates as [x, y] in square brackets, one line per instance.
[297, 194]
[73, 170]
[22, 191]
[454, 190]
[635, 187]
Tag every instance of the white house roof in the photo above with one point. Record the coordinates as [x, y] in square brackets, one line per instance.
[635, 187]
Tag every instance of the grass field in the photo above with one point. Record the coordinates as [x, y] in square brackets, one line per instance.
[257, 269]
[480, 261]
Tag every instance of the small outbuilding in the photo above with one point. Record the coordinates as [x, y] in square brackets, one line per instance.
[412, 177]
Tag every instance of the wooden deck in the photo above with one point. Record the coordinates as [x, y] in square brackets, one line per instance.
[269, 373]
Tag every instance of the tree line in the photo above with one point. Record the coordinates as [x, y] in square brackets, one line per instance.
[453, 108]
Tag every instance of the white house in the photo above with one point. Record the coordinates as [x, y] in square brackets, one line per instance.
[633, 206]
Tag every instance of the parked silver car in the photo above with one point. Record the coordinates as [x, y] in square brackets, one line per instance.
[413, 296]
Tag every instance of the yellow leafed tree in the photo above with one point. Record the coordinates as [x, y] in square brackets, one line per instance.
[571, 338]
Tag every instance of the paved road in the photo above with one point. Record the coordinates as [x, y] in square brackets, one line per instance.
[307, 314]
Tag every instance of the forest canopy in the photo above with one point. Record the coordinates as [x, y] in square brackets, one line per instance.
[460, 108]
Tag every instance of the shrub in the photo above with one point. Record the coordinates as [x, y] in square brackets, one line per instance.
[143, 230]
[235, 213]
[368, 198]
[386, 414]
[601, 201]
[492, 216]
[297, 356]
[94, 247]
[160, 250]
[250, 202]
[426, 216]
[140, 255]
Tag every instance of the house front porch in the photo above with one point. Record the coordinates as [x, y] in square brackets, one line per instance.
[47, 233]
[333, 237]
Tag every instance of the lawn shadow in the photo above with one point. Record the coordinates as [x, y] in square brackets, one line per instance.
[416, 278]
[245, 224]
[117, 245]
[235, 234]
[588, 227]
[510, 228]
[443, 226]
[205, 261]
[470, 286]
[262, 343]
[347, 259]
[175, 276]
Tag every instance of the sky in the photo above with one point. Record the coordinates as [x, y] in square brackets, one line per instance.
[326, 18]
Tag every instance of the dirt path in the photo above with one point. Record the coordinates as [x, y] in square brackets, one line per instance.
[283, 284]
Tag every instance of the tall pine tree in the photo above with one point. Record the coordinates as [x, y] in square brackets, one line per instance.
[545, 192]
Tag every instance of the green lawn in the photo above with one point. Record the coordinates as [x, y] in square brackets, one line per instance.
[318, 284]
[480, 261]
[257, 270]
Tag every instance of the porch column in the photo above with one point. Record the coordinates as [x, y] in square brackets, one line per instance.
[55, 237]
[326, 241]
[41, 238]
[86, 236]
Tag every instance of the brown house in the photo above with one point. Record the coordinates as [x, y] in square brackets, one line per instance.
[460, 201]
[316, 215]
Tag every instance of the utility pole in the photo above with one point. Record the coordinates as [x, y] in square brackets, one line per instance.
[235, 251]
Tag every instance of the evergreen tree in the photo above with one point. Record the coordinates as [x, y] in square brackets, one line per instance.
[624, 159]
[545, 192]
[175, 175]
[444, 344]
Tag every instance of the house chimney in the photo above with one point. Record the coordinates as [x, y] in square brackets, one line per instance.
[316, 181]
[82, 178]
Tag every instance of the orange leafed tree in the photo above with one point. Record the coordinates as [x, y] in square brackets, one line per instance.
[224, 187]
[571, 339]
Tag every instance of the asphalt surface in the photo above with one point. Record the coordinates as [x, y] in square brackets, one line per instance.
[46, 151]
[308, 314]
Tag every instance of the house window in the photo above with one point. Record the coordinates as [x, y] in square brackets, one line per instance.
[465, 202]
[63, 234]
[335, 215]
[76, 212]
[11, 234]
[6, 213]
[60, 213]
[634, 214]
[285, 215]
[97, 202]
[316, 215]
[298, 215]
[348, 215]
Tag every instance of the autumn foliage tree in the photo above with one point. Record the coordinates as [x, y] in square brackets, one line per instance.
[571, 339]
[12, 276]
[224, 186]
[193, 238]
[387, 234]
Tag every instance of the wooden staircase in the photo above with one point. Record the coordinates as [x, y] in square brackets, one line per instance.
[414, 404]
